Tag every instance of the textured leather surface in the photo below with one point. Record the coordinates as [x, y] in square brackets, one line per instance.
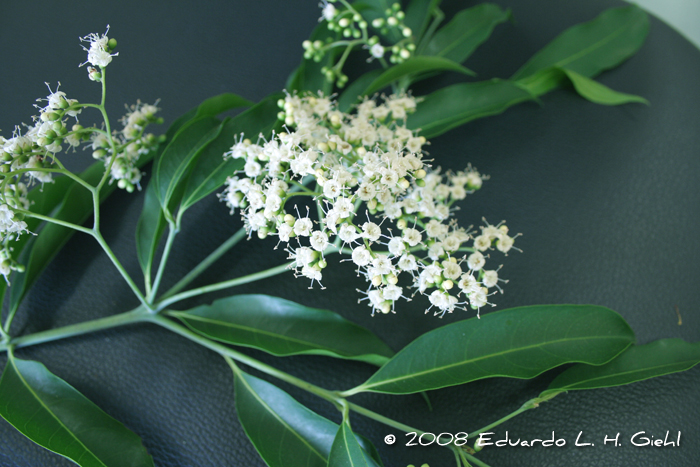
[606, 198]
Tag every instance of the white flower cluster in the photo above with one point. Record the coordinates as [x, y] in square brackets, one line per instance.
[131, 143]
[30, 156]
[375, 201]
[99, 53]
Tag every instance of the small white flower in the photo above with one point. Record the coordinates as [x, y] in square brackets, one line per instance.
[303, 226]
[377, 51]
[371, 231]
[361, 256]
[328, 12]
[476, 261]
[319, 240]
[490, 278]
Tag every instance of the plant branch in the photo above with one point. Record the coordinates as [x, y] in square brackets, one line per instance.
[223, 285]
[206, 262]
[136, 315]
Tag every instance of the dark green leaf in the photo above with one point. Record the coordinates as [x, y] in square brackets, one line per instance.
[370, 449]
[346, 450]
[281, 327]
[418, 13]
[637, 363]
[211, 170]
[595, 46]
[455, 105]
[516, 343]
[550, 78]
[355, 90]
[284, 432]
[54, 415]
[221, 103]
[415, 65]
[209, 108]
[149, 229]
[599, 93]
[173, 164]
[459, 38]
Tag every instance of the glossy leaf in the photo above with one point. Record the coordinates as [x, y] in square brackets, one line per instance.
[516, 343]
[211, 170]
[282, 327]
[418, 14]
[354, 92]
[551, 78]
[459, 38]
[415, 65]
[173, 164]
[54, 415]
[208, 108]
[284, 432]
[221, 103]
[455, 105]
[637, 363]
[346, 450]
[149, 228]
[599, 93]
[370, 449]
[592, 47]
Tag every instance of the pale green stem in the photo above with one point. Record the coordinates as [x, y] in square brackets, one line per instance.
[120, 268]
[531, 404]
[223, 285]
[208, 261]
[242, 358]
[382, 419]
[172, 232]
[136, 315]
[69, 225]
[474, 460]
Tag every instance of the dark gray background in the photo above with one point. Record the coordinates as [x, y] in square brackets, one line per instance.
[606, 199]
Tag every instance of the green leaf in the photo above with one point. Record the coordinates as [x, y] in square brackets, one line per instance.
[284, 432]
[221, 103]
[599, 93]
[637, 363]
[346, 450]
[459, 38]
[149, 229]
[592, 47]
[418, 13]
[173, 164]
[281, 327]
[516, 343]
[54, 415]
[370, 449]
[419, 64]
[211, 170]
[455, 105]
[550, 78]
[208, 108]
[355, 90]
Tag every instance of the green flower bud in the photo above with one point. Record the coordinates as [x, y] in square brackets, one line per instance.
[112, 44]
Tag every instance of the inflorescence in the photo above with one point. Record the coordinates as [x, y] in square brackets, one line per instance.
[349, 28]
[30, 155]
[377, 201]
